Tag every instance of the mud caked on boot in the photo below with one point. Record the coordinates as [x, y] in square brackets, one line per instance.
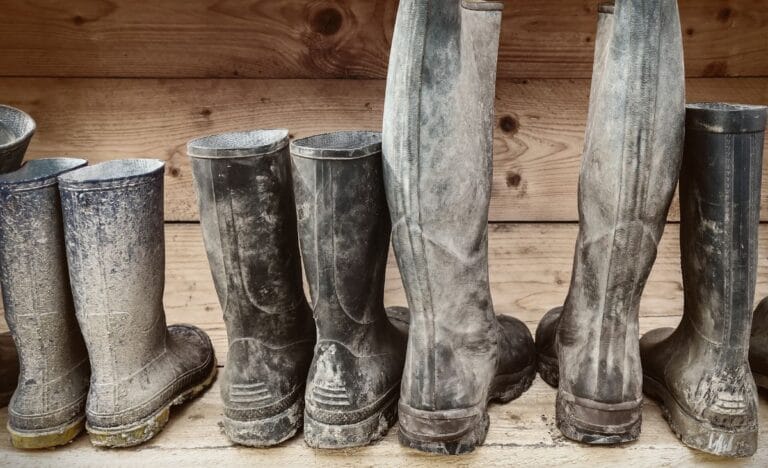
[9, 368]
[700, 372]
[113, 225]
[344, 230]
[438, 154]
[48, 407]
[589, 348]
[245, 195]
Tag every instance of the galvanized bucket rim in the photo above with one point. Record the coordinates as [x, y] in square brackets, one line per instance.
[340, 145]
[112, 174]
[28, 130]
[238, 144]
[39, 173]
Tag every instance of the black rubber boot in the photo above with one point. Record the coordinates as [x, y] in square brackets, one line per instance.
[589, 348]
[113, 223]
[700, 372]
[48, 407]
[344, 229]
[438, 155]
[16, 131]
[9, 368]
[245, 195]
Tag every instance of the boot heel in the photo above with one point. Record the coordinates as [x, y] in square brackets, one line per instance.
[598, 423]
[450, 432]
[699, 434]
[34, 440]
[322, 435]
[267, 432]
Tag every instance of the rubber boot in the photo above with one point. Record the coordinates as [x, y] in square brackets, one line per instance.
[344, 230]
[48, 407]
[758, 345]
[589, 348]
[9, 368]
[700, 372]
[438, 154]
[16, 131]
[248, 217]
[113, 225]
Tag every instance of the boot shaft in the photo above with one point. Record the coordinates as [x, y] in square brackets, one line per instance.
[719, 219]
[243, 185]
[344, 228]
[33, 270]
[113, 226]
[16, 131]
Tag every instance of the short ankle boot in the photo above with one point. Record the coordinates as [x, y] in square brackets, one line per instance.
[700, 372]
[9, 368]
[113, 225]
[438, 157]
[48, 407]
[589, 348]
[245, 194]
[16, 131]
[354, 382]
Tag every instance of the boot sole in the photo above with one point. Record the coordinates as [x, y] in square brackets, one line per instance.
[596, 423]
[267, 432]
[35, 440]
[337, 436]
[549, 370]
[697, 434]
[136, 434]
[455, 432]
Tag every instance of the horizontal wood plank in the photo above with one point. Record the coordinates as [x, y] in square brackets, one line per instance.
[530, 269]
[539, 134]
[332, 38]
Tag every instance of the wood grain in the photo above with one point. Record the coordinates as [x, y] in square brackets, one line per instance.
[539, 134]
[332, 38]
[530, 268]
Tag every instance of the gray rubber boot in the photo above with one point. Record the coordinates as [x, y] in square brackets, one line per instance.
[589, 348]
[48, 407]
[9, 368]
[344, 228]
[438, 155]
[113, 224]
[248, 217]
[700, 371]
[16, 131]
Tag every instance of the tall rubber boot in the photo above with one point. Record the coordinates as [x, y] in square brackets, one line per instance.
[9, 368]
[438, 155]
[48, 407]
[700, 371]
[113, 224]
[16, 131]
[248, 217]
[629, 171]
[344, 228]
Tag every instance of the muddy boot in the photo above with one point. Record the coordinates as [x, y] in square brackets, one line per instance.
[438, 154]
[700, 372]
[630, 167]
[113, 223]
[758, 345]
[16, 130]
[48, 407]
[344, 228]
[245, 195]
[9, 368]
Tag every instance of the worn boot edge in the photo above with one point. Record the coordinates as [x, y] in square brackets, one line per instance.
[48, 438]
[269, 431]
[698, 434]
[597, 423]
[336, 436]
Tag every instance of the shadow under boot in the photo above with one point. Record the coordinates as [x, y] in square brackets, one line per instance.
[48, 406]
[113, 222]
[9, 368]
[700, 372]
[244, 190]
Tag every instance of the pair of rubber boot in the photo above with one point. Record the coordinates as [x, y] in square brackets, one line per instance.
[82, 271]
[590, 347]
[16, 131]
[438, 159]
[332, 367]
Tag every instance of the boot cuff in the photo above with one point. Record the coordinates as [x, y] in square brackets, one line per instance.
[113, 174]
[338, 145]
[38, 173]
[238, 144]
[16, 127]
[719, 117]
[606, 8]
